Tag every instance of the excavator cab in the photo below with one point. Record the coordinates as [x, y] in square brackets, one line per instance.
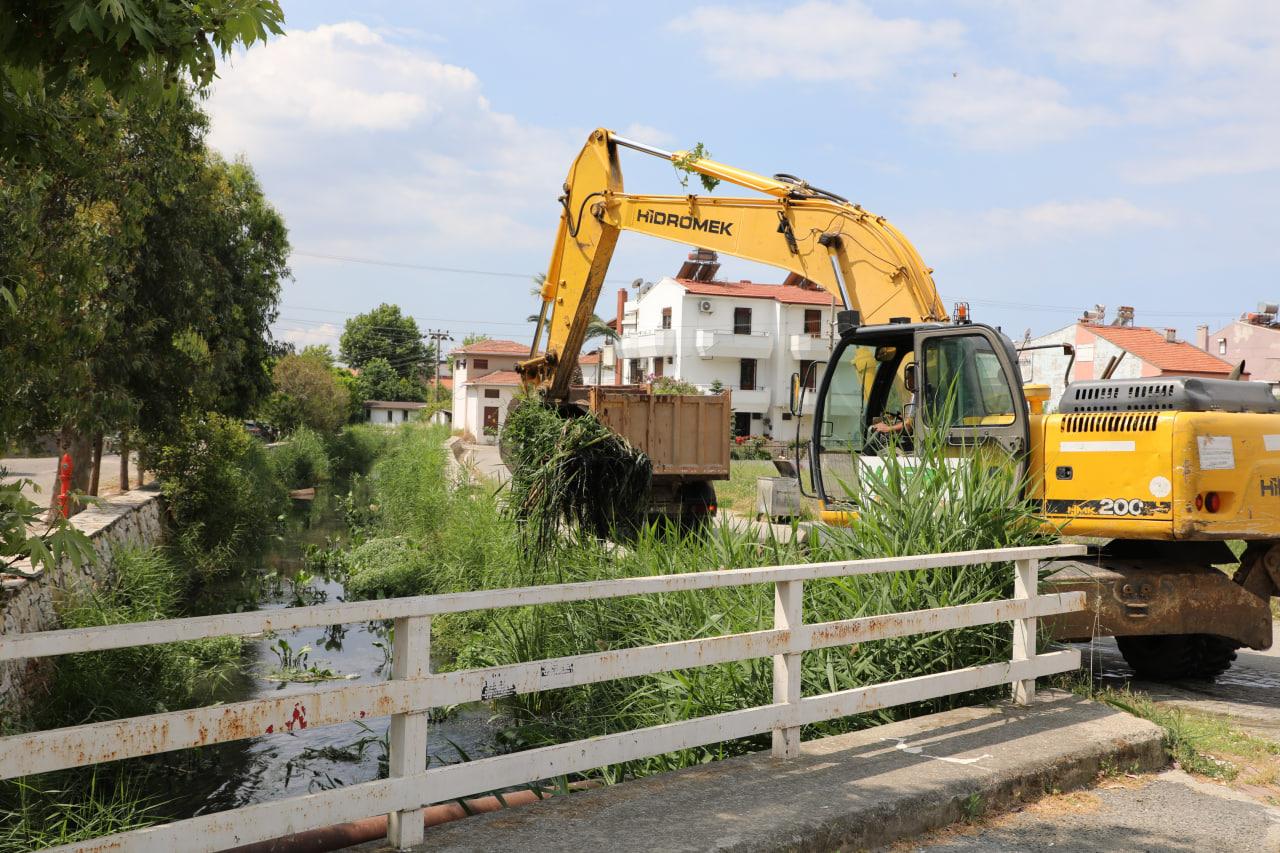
[885, 383]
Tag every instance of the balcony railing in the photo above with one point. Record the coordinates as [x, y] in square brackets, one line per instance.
[810, 347]
[722, 344]
[653, 343]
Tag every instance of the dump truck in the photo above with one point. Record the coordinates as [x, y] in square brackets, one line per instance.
[1162, 471]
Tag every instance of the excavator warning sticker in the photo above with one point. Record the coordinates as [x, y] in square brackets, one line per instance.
[1216, 453]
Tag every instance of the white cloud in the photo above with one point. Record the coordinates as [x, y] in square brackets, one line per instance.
[1001, 109]
[365, 143]
[952, 234]
[325, 333]
[647, 134]
[1192, 35]
[815, 40]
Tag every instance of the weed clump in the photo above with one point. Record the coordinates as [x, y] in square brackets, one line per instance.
[570, 471]
[388, 567]
[301, 461]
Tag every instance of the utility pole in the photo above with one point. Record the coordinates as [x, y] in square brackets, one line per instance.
[438, 335]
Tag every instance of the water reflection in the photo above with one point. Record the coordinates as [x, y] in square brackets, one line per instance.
[303, 761]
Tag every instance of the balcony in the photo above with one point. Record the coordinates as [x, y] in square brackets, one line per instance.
[654, 343]
[810, 347]
[756, 400]
[719, 344]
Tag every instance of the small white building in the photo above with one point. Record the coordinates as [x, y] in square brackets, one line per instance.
[598, 366]
[743, 336]
[391, 412]
[484, 383]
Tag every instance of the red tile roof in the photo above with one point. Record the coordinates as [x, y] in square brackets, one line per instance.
[1171, 357]
[498, 377]
[590, 358]
[446, 382]
[492, 347]
[751, 290]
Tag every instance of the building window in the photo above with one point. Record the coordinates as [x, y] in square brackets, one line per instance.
[657, 366]
[808, 373]
[462, 364]
[1222, 346]
[747, 374]
[637, 371]
[666, 318]
[491, 393]
[390, 415]
[813, 322]
[482, 364]
[742, 321]
[742, 423]
[404, 415]
[671, 359]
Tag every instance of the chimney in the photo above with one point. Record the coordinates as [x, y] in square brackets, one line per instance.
[1171, 335]
[617, 362]
[1202, 336]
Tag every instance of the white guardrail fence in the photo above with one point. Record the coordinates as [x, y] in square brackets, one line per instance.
[414, 689]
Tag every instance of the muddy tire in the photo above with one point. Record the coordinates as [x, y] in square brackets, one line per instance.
[1172, 657]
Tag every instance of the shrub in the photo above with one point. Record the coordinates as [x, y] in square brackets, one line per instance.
[388, 567]
[301, 461]
[354, 449]
[219, 492]
[749, 447]
[145, 584]
[672, 385]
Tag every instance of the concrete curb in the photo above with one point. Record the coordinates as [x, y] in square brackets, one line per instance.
[856, 791]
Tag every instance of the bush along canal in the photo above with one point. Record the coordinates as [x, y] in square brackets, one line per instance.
[278, 553]
[296, 573]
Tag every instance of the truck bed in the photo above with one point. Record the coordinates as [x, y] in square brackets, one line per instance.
[685, 436]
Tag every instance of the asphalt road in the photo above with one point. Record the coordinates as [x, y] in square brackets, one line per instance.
[42, 470]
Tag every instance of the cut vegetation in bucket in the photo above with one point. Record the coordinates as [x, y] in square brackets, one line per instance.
[570, 471]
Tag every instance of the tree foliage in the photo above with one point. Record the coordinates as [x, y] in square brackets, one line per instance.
[378, 380]
[308, 393]
[124, 48]
[388, 334]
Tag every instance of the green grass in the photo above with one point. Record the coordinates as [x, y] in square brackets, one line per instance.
[738, 493]
[469, 543]
[1200, 743]
[32, 817]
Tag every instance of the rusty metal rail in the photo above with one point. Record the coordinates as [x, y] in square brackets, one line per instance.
[413, 690]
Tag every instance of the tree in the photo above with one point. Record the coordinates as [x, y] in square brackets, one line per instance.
[143, 272]
[387, 334]
[308, 393]
[378, 380]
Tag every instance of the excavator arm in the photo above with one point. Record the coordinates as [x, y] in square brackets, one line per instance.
[865, 263]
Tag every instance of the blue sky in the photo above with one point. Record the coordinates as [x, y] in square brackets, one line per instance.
[1042, 157]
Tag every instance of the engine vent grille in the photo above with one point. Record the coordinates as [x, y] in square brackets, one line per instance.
[1109, 423]
[1167, 394]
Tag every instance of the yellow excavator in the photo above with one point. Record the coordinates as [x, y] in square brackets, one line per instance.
[1161, 473]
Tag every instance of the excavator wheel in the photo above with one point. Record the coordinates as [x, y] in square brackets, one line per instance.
[1171, 657]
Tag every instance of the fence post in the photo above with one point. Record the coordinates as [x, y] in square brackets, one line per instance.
[1025, 587]
[411, 658]
[787, 614]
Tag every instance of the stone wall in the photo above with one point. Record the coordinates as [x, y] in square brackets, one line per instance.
[26, 603]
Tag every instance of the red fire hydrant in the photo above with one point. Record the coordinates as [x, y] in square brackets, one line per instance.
[64, 477]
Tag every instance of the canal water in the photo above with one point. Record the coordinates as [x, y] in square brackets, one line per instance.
[277, 766]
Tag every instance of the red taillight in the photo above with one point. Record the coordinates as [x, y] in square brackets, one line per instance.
[711, 509]
[1199, 502]
[1212, 502]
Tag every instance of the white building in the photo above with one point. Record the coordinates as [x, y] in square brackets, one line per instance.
[391, 412]
[746, 337]
[598, 366]
[484, 383]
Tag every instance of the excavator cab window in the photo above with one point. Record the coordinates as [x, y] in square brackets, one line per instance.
[865, 385]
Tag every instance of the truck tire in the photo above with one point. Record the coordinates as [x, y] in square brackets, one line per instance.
[697, 505]
[1171, 657]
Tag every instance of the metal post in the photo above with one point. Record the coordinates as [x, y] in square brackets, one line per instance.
[411, 658]
[787, 615]
[1024, 630]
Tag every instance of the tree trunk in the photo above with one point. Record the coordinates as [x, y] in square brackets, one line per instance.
[97, 465]
[124, 460]
[80, 446]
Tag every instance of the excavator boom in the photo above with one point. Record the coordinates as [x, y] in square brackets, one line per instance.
[865, 263]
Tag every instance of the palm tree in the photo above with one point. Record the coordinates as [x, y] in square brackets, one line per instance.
[597, 327]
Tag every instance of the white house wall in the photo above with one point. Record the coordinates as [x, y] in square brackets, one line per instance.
[775, 320]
